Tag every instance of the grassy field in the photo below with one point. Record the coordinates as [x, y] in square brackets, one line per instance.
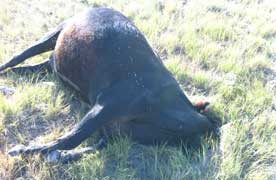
[223, 51]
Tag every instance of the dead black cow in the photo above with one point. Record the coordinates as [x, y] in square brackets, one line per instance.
[103, 56]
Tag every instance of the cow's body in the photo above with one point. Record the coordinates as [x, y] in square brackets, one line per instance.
[103, 56]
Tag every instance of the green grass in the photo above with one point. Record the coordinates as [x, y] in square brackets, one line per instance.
[221, 51]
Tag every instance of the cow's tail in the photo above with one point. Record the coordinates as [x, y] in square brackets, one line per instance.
[45, 44]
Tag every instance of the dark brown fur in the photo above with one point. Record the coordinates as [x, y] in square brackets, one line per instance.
[108, 60]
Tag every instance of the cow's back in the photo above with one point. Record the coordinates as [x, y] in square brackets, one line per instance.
[100, 47]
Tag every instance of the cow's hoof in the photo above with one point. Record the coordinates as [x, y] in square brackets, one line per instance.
[6, 91]
[61, 157]
[17, 150]
[53, 157]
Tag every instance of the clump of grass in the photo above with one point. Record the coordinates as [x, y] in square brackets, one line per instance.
[174, 67]
[258, 98]
[191, 43]
[90, 166]
[217, 31]
[7, 108]
[112, 163]
[201, 81]
[7, 167]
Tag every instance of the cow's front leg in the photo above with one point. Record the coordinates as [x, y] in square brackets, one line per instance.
[65, 156]
[112, 105]
[92, 121]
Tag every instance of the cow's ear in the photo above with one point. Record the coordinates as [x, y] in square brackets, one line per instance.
[201, 106]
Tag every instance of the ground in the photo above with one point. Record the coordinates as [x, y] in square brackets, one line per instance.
[223, 51]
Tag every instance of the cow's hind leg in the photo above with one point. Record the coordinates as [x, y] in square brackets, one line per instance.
[41, 69]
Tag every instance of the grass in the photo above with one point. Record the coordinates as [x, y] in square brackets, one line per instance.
[222, 51]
